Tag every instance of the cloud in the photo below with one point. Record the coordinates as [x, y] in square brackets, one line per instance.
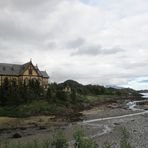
[81, 47]
[75, 43]
[94, 50]
[26, 5]
[103, 42]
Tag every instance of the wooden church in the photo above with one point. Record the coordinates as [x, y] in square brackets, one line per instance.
[23, 73]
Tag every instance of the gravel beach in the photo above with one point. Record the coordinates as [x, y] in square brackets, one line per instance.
[103, 123]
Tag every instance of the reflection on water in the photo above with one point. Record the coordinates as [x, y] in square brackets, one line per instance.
[134, 105]
[145, 95]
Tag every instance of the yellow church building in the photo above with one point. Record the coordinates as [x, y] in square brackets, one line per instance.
[23, 73]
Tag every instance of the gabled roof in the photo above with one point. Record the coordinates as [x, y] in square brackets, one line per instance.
[10, 69]
[44, 74]
[16, 70]
[38, 71]
[24, 67]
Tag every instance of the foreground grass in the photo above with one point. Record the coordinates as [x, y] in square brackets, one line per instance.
[59, 141]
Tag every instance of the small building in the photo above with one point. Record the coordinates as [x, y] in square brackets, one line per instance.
[23, 73]
[67, 89]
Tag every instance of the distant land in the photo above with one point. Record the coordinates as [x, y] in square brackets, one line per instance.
[143, 91]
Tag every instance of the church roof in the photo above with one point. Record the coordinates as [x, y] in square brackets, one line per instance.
[10, 69]
[44, 74]
[16, 70]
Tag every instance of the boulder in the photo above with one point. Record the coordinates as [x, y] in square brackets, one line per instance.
[16, 135]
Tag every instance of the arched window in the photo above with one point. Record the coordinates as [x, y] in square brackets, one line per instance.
[26, 81]
[34, 79]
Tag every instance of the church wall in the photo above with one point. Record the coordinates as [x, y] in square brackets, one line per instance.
[2, 78]
[45, 83]
[26, 76]
[34, 73]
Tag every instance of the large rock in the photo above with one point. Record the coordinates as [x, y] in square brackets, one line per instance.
[16, 135]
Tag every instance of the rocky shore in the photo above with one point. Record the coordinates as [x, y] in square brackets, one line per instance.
[103, 131]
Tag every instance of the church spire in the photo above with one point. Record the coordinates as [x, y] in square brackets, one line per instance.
[30, 60]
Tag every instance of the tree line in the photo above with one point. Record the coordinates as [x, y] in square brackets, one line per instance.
[13, 94]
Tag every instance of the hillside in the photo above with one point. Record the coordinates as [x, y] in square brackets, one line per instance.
[96, 89]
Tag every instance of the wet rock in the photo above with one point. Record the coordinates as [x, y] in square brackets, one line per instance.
[8, 132]
[116, 123]
[42, 127]
[16, 135]
[22, 128]
[52, 119]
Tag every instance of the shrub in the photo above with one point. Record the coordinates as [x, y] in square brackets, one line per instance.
[83, 142]
[59, 141]
[124, 139]
[107, 146]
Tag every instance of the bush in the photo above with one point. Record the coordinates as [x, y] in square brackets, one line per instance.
[40, 107]
[59, 141]
[83, 142]
[107, 146]
[124, 139]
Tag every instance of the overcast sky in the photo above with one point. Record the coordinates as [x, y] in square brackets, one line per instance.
[91, 41]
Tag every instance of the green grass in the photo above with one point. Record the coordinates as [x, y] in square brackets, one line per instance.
[101, 98]
[40, 107]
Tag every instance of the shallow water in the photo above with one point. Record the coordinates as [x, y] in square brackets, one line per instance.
[145, 95]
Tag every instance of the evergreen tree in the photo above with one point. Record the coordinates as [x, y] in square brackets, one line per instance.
[73, 96]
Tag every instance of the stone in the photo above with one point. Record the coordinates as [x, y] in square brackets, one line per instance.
[16, 135]
[22, 128]
[42, 127]
[116, 123]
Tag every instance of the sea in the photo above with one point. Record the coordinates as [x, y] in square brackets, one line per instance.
[145, 95]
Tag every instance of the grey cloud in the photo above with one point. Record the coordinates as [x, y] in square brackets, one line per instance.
[14, 28]
[52, 32]
[51, 44]
[75, 43]
[27, 23]
[112, 50]
[83, 47]
[12, 31]
[94, 50]
[88, 50]
[25, 5]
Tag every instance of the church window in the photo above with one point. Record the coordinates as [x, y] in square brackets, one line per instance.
[30, 71]
[26, 81]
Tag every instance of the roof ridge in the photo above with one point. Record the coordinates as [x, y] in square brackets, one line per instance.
[11, 64]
